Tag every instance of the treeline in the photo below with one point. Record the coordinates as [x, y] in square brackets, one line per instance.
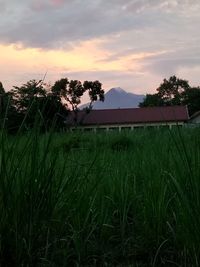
[36, 102]
[24, 106]
[174, 91]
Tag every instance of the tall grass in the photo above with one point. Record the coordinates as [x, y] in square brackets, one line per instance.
[129, 199]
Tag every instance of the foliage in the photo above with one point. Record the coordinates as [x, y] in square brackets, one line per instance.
[26, 94]
[171, 91]
[32, 101]
[2, 90]
[174, 91]
[9, 118]
[24, 105]
[191, 98]
[3, 101]
[152, 101]
[99, 208]
[72, 91]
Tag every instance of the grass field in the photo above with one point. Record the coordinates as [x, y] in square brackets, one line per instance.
[129, 199]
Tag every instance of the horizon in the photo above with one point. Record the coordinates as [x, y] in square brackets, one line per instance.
[129, 44]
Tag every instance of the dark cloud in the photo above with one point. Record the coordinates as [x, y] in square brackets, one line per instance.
[125, 28]
[171, 62]
[55, 23]
[43, 25]
[2, 7]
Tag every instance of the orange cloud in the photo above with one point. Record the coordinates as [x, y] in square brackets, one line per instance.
[20, 64]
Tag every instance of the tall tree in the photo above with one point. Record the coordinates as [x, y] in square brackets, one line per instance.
[191, 98]
[174, 91]
[25, 95]
[2, 90]
[9, 117]
[71, 93]
[32, 101]
[2, 103]
[2, 93]
[171, 90]
[151, 101]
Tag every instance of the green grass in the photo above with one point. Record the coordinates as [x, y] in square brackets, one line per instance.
[129, 199]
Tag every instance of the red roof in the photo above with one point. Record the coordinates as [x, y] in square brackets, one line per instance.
[133, 115]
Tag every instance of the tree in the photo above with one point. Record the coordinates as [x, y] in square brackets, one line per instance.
[151, 101]
[2, 90]
[52, 109]
[191, 98]
[2, 103]
[33, 102]
[95, 91]
[2, 93]
[171, 91]
[174, 91]
[72, 91]
[26, 100]
[8, 114]
[25, 95]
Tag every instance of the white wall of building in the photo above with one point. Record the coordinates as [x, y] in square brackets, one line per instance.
[122, 127]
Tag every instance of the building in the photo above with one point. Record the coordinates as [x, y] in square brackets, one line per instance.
[130, 118]
[195, 118]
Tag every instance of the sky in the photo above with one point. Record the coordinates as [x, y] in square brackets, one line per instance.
[132, 44]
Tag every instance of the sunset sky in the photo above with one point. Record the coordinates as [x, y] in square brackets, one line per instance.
[133, 44]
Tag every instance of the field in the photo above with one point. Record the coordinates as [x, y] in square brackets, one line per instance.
[107, 199]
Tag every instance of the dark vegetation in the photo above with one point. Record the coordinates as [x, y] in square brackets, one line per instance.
[128, 199]
[22, 107]
[105, 199]
[174, 91]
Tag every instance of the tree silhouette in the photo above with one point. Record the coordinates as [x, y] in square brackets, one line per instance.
[33, 102]
[71, 93]
[171, 90]
[174, 91]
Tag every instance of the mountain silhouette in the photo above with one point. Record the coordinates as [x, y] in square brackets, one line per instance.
[118, 98]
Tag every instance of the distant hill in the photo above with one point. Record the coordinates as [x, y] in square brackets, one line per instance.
[118, 98]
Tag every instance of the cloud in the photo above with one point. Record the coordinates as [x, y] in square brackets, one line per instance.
[136, 43]
[58, 23]
[3, 7]
[169, 6]
[172, 62]
[130, 81]
[57, 2]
